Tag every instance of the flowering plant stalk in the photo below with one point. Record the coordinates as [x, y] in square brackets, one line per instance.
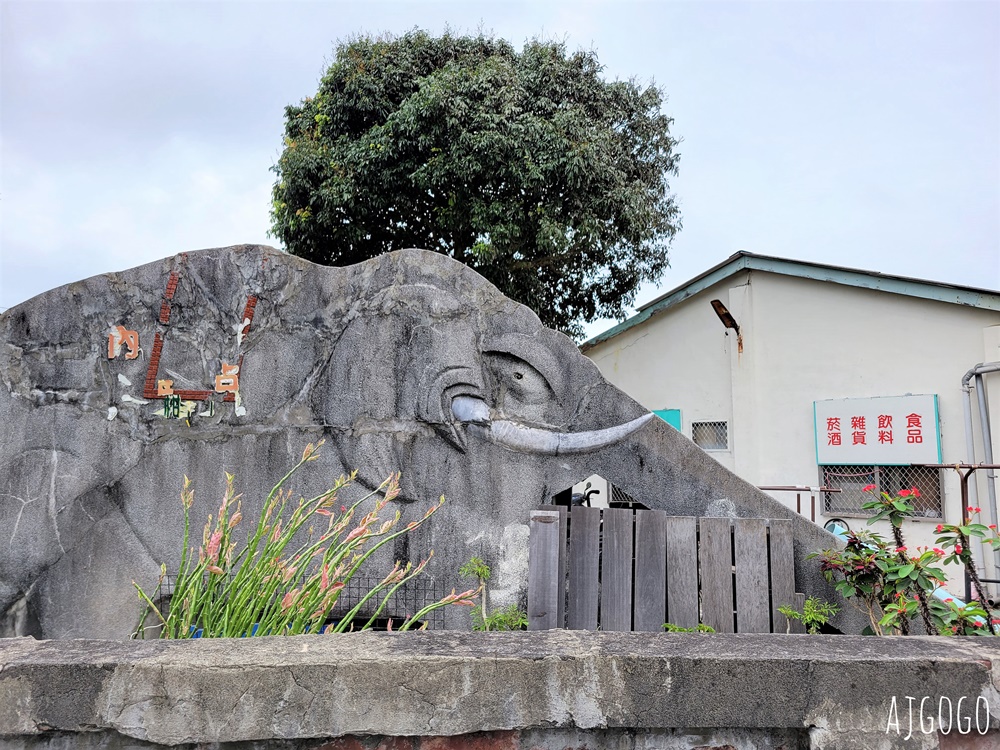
[262, 588]
[895, 510]
[957, 538]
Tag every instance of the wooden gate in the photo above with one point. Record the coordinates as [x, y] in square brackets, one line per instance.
[617, 570]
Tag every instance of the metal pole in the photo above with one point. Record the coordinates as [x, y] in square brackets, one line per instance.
[984, 416]
[970, 441]
[965, 516]
[966, 503]
[987, 563]
[991, 477]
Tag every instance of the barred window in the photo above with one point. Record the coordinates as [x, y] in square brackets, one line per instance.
[710, 436]
[850, 480]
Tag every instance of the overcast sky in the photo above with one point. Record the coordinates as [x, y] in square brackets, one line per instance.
[864, 134]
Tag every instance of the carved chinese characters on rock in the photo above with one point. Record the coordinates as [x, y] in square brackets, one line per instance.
[229, 380]
[180, 403]
[226, 382]
[171, 407]
[121, 336]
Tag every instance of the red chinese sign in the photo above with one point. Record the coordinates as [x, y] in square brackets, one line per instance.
[886, 430]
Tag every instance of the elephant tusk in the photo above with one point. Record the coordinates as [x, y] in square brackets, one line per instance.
[524, 439]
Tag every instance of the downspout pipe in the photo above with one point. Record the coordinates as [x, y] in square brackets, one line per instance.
[984, 419]
[977, 372]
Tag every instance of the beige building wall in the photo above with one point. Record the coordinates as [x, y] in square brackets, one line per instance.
[680, 360]
[805, 340]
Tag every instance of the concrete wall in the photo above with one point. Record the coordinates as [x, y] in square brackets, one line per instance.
[804, 340]
[555, 689]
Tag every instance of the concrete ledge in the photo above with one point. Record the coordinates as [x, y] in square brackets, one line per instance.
[835, 690]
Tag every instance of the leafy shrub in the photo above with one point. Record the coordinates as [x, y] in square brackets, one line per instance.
[815, 614]
[699, 628]
[892, 586]
[506, 618]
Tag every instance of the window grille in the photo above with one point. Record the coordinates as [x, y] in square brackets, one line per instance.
[710, 436]
[408, 599]
[851, 480]
[619, 497]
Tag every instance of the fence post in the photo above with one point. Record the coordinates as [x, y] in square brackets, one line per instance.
[545, 536]
[584, 568]
[616, 570]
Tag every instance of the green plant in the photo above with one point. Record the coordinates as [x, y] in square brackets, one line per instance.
[263, 588]
[858, 574]
[893, 586]
[510, 617]
[958, 538]
[815, 614]
[506, 618]
[699, 628]
[477, 568]
[907, 574]
[968, 619]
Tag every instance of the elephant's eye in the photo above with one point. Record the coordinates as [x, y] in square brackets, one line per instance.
[518, 389]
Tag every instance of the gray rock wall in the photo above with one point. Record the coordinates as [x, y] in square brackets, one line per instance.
[370, 357]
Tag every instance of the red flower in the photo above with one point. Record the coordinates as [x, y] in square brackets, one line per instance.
[958, 549]
[949, 600]
[916, 492]
[940, 528]
[993, 526]
[977, 510]
[938, 551]
[905, 493]
[868, 488]
[900, 549]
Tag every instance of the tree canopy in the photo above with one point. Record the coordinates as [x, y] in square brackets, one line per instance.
[527, 166]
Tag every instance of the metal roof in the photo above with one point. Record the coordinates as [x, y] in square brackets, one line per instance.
[985, 299]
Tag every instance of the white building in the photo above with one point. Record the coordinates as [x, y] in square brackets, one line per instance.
[794, 373]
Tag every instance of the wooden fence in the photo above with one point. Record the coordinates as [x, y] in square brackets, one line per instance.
[617, 569]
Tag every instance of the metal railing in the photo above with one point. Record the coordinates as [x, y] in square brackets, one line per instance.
[799, 490]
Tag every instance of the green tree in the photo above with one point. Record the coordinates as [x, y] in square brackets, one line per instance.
[527, 166]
